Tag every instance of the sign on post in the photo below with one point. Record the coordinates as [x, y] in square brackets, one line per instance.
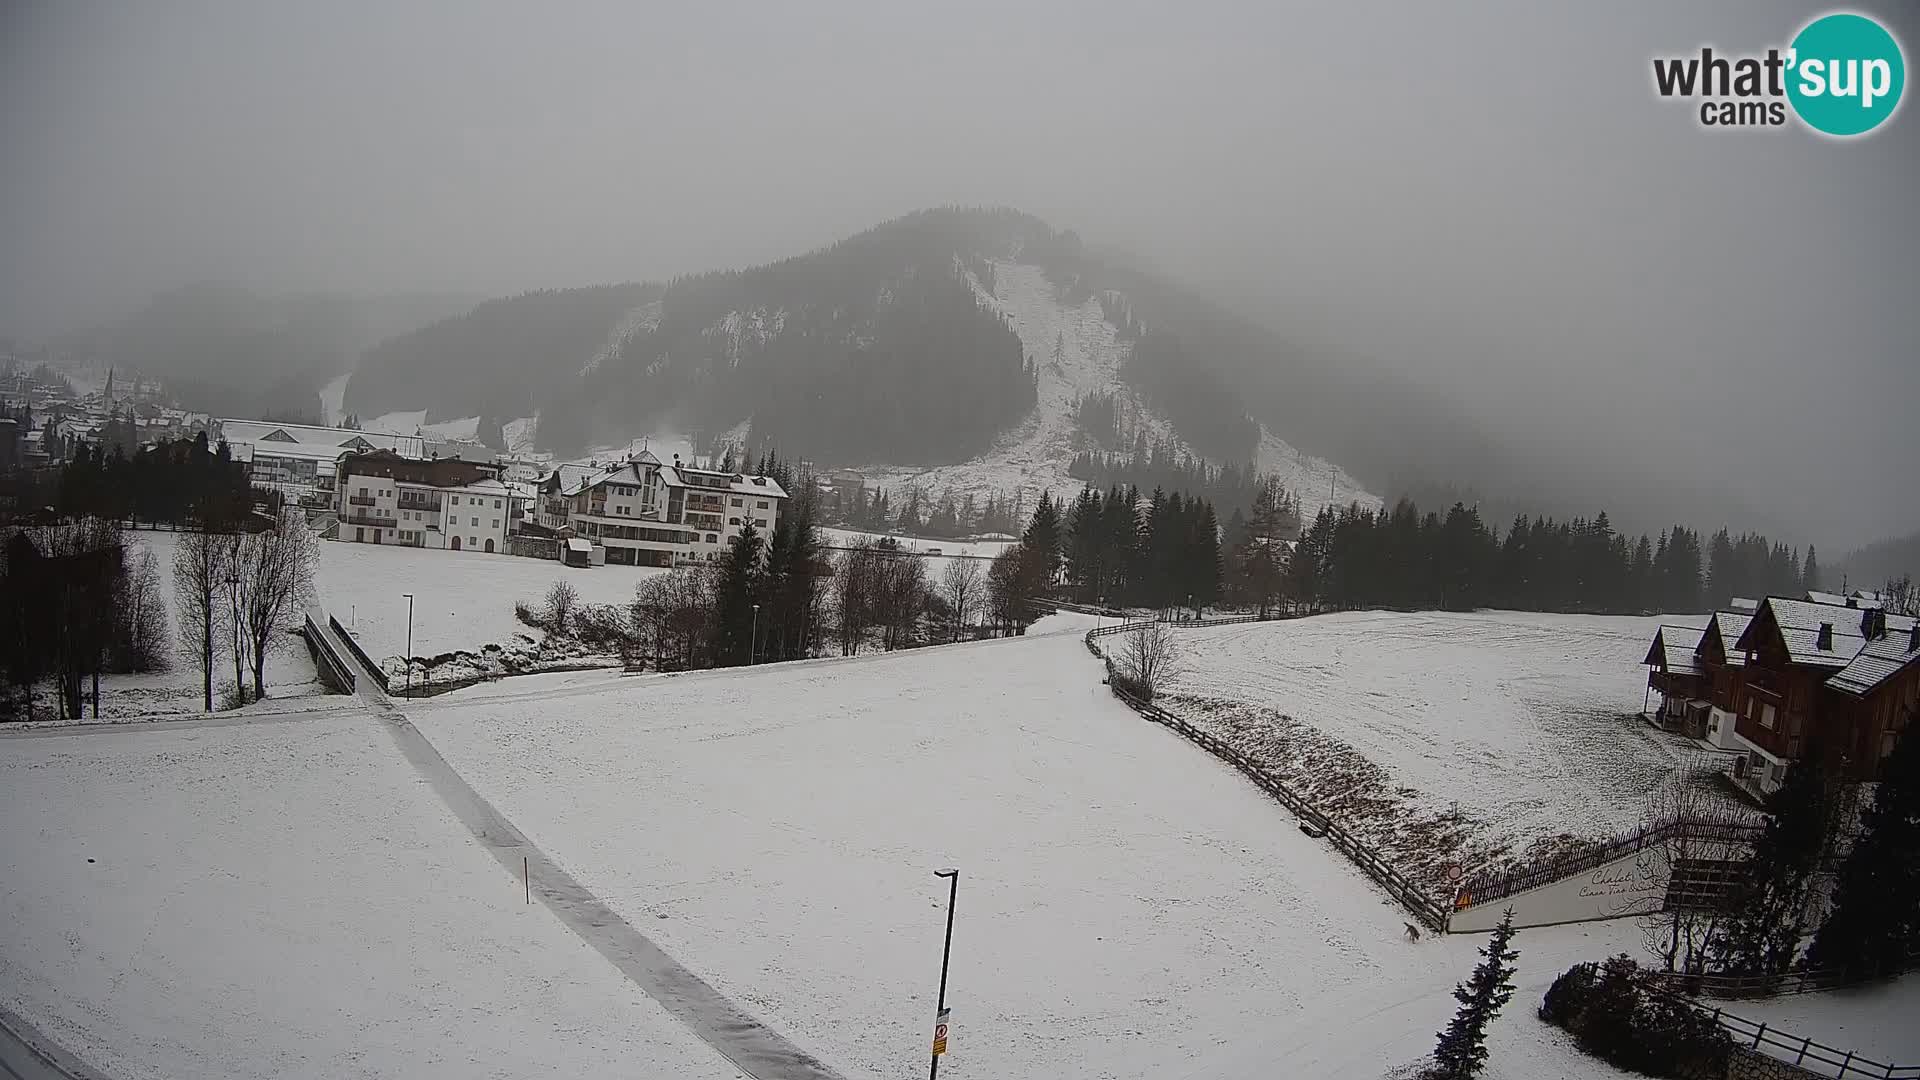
[940, 1033]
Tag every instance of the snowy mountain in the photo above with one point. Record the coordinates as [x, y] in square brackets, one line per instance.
[957, 351]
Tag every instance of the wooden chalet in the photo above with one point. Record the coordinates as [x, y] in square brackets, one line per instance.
[1772, 682]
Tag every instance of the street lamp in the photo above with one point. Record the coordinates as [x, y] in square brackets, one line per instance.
[946, 953]
[409, 597]
[753, 643]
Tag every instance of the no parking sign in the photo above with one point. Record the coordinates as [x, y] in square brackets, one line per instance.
[940, 1033]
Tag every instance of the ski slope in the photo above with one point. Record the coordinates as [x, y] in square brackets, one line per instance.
[1128, 907]
[1079, 353]
[289, 899]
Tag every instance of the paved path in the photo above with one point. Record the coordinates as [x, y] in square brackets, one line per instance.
[736, 1035]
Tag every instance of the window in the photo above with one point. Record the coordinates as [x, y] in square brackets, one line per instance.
[762, 504]
[363, 491]
[496, 523]
[733, 521]
[1766, 717]
[456, 500]
[736, 502]
[712, 539]
[471, 541]
[476, 523]
[760, 523]
[496, 504]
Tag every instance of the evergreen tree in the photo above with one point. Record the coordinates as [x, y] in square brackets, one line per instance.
[1462, 1049]
[1042, 541]
[1874, 926]
[1810, 572]
[736, 594]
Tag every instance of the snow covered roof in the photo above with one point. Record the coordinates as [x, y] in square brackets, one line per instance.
[577, 544]
[236, 430]
[1876, 662]
[1854, 599]
[1673, 648]
[1728, 626]
[296, 451]
[1741, 603]
[1800, 623]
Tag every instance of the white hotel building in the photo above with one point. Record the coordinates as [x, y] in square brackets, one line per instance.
[647, 513]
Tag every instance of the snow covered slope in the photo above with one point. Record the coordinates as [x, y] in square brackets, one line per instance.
[289, 899]
[1128, 906]
[1079, 353]
[1526, 722]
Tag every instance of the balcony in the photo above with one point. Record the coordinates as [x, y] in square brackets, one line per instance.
[375, 520]
[360, 500]
[415, 504]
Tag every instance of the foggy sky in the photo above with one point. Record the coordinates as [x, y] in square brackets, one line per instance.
[1490, 201]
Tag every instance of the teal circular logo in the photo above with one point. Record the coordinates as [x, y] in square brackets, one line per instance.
[1845, 74]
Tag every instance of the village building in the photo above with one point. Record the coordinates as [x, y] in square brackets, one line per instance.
[1792, 673]
[299, 460]
[383, 497]
[644, 512]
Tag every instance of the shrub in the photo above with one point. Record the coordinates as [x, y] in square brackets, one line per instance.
[524, 612]
[1612, 1017]
[1569, 995]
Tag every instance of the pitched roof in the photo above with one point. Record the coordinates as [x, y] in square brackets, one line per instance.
[1727, 626]
[1878, 661]
[1799, 623]
[1673, 648]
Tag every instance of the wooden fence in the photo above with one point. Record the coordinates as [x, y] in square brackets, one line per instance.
[1423, 907]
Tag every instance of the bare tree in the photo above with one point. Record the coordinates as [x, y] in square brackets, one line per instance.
[1148, 657]
[274, 575]
[961, 583]
[1900, 595]
[1684, 919]
[854, 586]
[1006, 598]
[144, 618]
[562, 600]
[674, 612]
[199, 582]
[900, 600]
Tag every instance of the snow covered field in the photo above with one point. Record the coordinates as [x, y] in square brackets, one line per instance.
[288, 899]
[1526, 721]
[462, 599]
[1128, 907]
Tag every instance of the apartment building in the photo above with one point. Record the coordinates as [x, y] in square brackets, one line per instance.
[383, 497]
[644, 512]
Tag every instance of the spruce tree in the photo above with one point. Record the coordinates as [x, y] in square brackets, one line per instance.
[1462, 1049]
[1042, 540]
[1874, 926]
[736, 594]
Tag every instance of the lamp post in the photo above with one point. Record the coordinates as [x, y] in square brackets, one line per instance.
[409, 597]
[946, 953]
[753, 643]
[1103, 611]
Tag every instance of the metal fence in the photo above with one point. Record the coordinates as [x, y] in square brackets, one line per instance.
[334, 670]
[373, 669]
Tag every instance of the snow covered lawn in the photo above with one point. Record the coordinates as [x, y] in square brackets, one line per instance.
[462, 599]
[1875, 1021]
[1128, 906]
[1526, 721]
[289, 899]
